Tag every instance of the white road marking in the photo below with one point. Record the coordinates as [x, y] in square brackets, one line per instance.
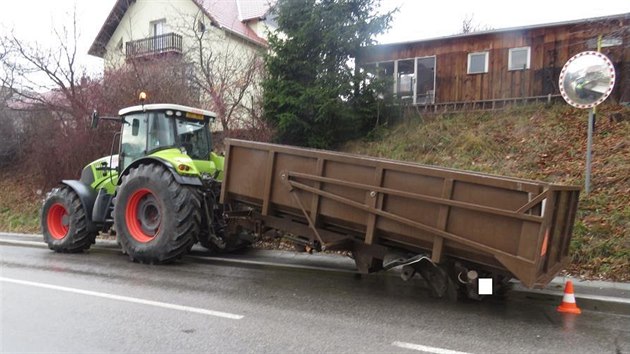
[26, 243]
[125, 298]
[426, 349]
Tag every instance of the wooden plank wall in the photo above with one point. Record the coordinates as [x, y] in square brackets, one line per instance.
[551, 47]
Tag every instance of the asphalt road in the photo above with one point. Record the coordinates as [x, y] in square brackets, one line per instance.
[101, 302]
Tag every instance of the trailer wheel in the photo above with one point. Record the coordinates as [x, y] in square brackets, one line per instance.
[440, 284]
[64, 223]
[157, 219]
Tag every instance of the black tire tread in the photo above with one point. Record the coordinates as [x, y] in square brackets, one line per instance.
[187, 216]
[81, 237]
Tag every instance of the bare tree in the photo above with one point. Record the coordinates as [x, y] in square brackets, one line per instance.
[9, 142]
[227, 71]
[47, 76]
[469, 26]
[163, 79]
[6, 76]
[53, 96]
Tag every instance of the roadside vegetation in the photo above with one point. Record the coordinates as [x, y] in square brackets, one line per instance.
[534, 142]
[19, 204]
[313, 96]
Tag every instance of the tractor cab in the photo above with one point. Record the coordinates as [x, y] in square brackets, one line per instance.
[148, 129]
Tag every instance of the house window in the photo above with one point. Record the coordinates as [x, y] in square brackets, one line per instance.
[371, 70]
[425, 80]
[518, 58]
[386, 69]
[413, 78]
[607, 41]
[405, 78]
[478, 63]
[158, 27]
[120, 44]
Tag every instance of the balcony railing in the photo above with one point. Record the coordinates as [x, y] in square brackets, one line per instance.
[164, 43]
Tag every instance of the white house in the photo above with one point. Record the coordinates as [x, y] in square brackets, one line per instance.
[219, 39]
[140, 28]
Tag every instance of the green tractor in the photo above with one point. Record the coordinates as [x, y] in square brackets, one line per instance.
[159, 193]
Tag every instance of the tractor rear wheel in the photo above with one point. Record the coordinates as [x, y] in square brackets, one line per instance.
[157, 219]
[65, 225]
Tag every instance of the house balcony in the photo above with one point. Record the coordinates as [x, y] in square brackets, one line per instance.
[157, 45]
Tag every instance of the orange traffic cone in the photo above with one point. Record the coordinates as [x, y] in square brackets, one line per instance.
[568, 304]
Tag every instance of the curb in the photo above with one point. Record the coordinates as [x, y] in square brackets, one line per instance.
[588, 302]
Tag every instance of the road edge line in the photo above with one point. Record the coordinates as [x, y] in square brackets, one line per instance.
[425, 348]
[125, 298]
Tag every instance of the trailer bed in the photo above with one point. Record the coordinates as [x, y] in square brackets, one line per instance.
[371, 205]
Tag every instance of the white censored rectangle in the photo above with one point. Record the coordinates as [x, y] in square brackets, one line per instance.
[485, 286]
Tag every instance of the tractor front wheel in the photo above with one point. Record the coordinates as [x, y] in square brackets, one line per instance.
[65, 225]
[157, 219]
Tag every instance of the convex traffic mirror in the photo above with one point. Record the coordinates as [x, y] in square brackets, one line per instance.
[587, 79]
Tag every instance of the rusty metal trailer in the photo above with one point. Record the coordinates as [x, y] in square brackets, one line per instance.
[451, 226]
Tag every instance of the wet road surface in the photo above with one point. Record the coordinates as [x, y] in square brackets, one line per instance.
[99, 301]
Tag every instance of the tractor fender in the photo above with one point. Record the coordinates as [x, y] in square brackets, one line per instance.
[183, 180]
[86, 194]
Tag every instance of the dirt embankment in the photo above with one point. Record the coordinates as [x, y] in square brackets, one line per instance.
[541, 143]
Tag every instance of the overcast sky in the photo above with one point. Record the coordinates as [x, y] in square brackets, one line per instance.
[416, 19]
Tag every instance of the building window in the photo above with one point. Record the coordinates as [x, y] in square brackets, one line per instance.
[478, 63]
[120, 44]
[405, 78]
[386, 69]
[518, 58]
[413, 79]
[607, 41]
[158, 27]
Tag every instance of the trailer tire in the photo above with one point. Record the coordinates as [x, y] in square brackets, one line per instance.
[441, 285]
[64, 222]
[157, 219]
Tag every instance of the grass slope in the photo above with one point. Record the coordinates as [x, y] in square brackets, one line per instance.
[541, 143]
[19, 203]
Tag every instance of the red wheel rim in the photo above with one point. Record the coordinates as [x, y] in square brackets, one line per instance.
[143, 216]
[57, 221]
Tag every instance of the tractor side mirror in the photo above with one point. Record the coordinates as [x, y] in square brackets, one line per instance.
[95, 119]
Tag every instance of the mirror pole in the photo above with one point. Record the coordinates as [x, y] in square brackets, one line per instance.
[589, 152]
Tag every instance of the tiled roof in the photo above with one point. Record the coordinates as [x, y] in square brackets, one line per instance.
[252, 9]
[227, 14]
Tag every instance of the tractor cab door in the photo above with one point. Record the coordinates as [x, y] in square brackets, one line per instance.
[133, 143]
[144, 133]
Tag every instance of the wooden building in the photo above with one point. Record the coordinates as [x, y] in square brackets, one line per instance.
[498, 66]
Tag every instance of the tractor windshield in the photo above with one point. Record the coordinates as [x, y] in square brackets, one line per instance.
[193, 137]
[144, 133]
